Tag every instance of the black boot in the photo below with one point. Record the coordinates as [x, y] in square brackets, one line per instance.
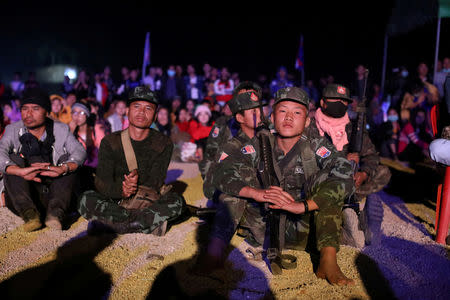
[371, 218]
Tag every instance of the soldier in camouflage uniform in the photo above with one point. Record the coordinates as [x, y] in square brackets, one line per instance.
[231, 210]
[331, 120]
[115, 182]
[315, 200]
[224, 129]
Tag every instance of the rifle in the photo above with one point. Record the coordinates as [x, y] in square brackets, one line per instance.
[200, 211]
[356, 139]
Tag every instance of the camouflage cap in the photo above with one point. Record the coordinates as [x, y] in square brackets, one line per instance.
[142, 93]
[292, 94]
[336, 91]
[244, 101]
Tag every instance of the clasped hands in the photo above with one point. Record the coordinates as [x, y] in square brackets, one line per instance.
[130, 184]
[277, 199]
[32, 172]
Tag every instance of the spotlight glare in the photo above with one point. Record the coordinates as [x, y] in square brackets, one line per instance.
[71, 73]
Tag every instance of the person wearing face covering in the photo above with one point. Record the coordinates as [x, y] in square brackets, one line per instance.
[331, 120]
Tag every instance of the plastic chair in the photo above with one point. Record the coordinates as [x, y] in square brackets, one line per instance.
[443, 192]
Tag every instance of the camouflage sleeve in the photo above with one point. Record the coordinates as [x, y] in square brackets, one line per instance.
[234, 171]
[334, 181]
[217, 137]
[369, 159]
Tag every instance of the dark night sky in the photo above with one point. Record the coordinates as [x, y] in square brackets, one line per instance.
[336, 39]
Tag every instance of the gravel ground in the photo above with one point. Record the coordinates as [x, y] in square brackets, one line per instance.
[407, 264]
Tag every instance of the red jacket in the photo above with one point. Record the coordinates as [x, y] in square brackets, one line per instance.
[198, 131]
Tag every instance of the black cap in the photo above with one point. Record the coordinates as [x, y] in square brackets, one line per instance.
[36, 96]
[142, 93]
[336, 91]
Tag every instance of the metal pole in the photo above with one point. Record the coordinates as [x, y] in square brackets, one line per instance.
[303, 76]
[436, 55]
[383, 73]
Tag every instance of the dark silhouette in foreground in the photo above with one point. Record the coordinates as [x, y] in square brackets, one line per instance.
[182, 280]
[72, 275]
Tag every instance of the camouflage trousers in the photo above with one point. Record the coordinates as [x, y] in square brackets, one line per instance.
[232, 212]
[317, 229]
[94, 206]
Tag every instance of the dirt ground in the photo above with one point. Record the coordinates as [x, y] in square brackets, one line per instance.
[408, 264]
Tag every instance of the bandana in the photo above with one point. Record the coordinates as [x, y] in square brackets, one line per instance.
[334, 127]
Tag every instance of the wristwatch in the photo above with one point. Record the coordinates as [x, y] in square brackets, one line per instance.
[67, 168]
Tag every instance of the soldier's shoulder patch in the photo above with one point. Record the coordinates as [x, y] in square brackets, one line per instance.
[323, 152]
[248, 149]
[215, 132]
[223, 156]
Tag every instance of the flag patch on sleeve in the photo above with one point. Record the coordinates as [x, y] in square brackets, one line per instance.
[215, 132]
[323, 152]
[223, 156]
[248, 149]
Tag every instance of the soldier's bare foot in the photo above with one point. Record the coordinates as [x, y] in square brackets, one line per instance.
[329, 269]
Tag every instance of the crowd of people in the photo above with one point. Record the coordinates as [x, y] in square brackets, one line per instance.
[398, 120]
[108, 144]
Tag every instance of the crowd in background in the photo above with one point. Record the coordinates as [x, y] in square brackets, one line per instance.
[94, 104]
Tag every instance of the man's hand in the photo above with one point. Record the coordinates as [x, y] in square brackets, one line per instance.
[354, 157]
[293, 207]
[129, 185]
[50, 171]
[274, 195]
[28, 173]
[359, 178]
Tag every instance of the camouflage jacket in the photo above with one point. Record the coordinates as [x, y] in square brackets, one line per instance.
[369, 159]
[332, 178]
[236, 165]
[239, 162]
[223, 130]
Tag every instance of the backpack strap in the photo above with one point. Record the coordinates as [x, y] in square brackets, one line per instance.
[128, 150]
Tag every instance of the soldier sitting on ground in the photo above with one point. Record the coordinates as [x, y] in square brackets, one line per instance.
[132, 166]
[331, 121]
[312, 201]
[232, 210]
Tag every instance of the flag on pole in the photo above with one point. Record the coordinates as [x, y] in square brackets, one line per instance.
[299, 62]
[146, 60]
